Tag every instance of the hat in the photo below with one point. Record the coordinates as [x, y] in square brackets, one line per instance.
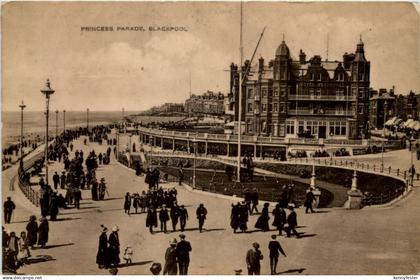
[255, 245]
[273, 236]
[115, 228]
[173, 242]
[201, 204]
[102, 179]
[182, 236]
[291, 205]
[42, 219]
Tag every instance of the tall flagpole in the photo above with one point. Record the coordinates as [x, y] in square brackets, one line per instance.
[238, 179]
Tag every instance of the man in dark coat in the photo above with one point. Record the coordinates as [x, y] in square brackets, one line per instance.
[243, 216]
[170, 267]
[77, 194]
[114, 247]
[201, 216]
[94, 190]
[234, 216]
[174, 215]
[102, 255]
[163, 218]
[309, 201]
[180, 175]
[56, 180]
[54, 207]
[292, 222]
[253, 257]
[274, 247]
[279, 218]
[262, 221]
[254, 199]
[151, 219]
[183, 250]
[127, 203]
[63, 180]
[8, 208]
[183, 217]
[43, 231]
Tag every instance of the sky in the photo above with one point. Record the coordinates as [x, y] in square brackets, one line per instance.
[136, 70]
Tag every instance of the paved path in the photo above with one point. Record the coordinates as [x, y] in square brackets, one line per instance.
[338, 241]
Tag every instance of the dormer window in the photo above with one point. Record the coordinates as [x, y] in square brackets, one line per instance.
[318, 76]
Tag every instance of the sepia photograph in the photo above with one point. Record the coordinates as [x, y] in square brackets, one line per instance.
[210, 138]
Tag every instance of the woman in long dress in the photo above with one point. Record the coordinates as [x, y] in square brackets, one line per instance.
[43, 231]
[32, 231]
[234, 217]
[102, 255]
[262, 221]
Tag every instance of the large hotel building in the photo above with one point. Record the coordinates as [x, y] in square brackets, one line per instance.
[290, 98]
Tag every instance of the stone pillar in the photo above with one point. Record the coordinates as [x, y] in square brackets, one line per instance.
[255, 150]
[161, 142]
[227, 149]
[354, 195]
[188, 146]
[313, 177]
[173, 144]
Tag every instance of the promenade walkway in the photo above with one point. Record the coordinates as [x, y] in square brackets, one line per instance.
[336, 241]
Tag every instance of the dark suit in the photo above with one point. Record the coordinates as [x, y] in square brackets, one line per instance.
[183, 250]
[292, 223]
[253, 257]
[8, 207]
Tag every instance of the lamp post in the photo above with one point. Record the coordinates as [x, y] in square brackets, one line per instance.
[195, 155]
[47, 91]
[64, 122]
[383, 135]
[56, 124]
[22, 106]
[412, 160]
[87, 121]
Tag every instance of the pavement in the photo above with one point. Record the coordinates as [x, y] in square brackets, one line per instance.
[335, 241]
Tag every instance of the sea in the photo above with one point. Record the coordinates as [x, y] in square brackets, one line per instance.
[34, 122]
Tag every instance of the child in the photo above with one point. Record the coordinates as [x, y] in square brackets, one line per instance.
[128, 253]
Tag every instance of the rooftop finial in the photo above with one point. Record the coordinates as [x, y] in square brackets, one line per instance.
[283, 37]
[361, 38]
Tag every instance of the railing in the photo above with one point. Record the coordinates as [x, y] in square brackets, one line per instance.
[358, 166]
[23, 179]
[383, 197]
[325, 112]
[322, 97]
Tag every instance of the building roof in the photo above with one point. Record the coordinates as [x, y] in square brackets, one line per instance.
[283, 49]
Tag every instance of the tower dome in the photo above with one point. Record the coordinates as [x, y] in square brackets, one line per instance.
[283, 50]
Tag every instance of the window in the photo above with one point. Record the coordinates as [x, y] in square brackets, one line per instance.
[264, 107]
[283, 92]
[340, 77]
[276, 92]
[318, 76]
[360, 110]
[281, 130]
[250, 93]
[360, 93]
[282, 108]
[318, 92]
[309, 125]
[300, 128]
[276, 107]
[312, 76]
[264, 92]
[338, 129]
[249, 107]
[290, 127]
[249, 126]
[270, 107]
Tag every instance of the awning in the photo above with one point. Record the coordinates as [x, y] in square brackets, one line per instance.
[407, 122]
[391, 121]
[412, 124]
[417, 126]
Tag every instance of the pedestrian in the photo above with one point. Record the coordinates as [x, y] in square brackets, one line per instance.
[13, 246]
[102, 189]
[63, 180]
[127, 203]
[94, 189]
[128, 255]
[151, 219]
[180, 175]
[170, 267]
[32, 231]
[274, 248]
[56, 180]
[234, 217]
[23, 253]
[174, 213]
[54, 207]
[183, 250]
[243, 216]
[292, 222]
[163, 218]
[253, 258]
[102, 255]
[309, 201]
[8, 208]
[43, 231]
[183, 217]
[279, 218]
[136, 202]
[201, 216]
[254, 200]
[262, 221]
[114, 247]
[77, 194]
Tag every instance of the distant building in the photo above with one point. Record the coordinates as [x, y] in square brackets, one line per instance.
[288, 98]
[208, 103]
[407, 106]
[382, 107]
[168, 108]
